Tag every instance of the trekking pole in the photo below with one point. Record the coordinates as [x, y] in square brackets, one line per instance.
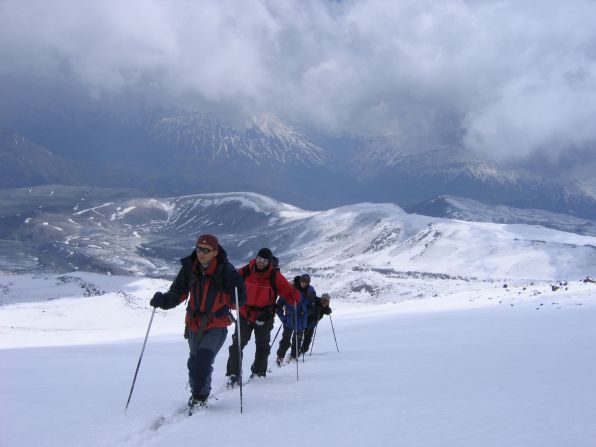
[140, 358]
[314, 337]
[239, 345]
[275, 338]
[331, 320]
[296, 338]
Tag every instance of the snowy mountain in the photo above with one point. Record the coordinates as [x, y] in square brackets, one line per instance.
[471, 210]
[412, 178]
[267, 140]
[146, 236]
[180, 151]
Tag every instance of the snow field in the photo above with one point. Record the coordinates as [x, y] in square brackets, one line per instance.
[418, 373]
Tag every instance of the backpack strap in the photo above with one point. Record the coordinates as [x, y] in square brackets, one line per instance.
[245, 271]
[272, 277]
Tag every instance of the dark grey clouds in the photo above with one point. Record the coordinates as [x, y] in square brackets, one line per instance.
[509, 78]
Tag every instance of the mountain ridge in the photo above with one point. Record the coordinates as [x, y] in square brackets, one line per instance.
[172, 152]
[147, 236]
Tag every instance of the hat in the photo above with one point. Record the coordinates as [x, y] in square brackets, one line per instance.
[265, 253]
[305, 277]
[325, 297]
[209, 240]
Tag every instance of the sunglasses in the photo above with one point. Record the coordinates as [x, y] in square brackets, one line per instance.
[262, 260]
[204, 250]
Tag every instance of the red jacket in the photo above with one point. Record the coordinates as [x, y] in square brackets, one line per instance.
[209, 293]
[259, 291]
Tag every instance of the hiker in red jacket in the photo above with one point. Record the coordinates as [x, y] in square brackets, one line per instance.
[263, 282]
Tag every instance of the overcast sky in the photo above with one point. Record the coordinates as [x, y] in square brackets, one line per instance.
[508, 78]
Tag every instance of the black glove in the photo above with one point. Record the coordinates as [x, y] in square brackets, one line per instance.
[326, 311]
[160, 300]
[157, 300]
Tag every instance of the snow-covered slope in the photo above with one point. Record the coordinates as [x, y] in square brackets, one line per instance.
[474, 365]
[147, 236]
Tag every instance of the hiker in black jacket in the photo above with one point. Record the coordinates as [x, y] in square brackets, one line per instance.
[318, 311]
[208, 280]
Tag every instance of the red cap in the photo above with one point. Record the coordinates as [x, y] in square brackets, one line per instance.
[209, 240]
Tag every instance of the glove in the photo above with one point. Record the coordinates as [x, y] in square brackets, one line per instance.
[164, 301]
[158, 300]
[326, 310]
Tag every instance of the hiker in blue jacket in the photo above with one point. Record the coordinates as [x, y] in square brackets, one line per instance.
[295, 318]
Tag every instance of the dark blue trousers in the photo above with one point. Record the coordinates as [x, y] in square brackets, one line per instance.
[201, 358]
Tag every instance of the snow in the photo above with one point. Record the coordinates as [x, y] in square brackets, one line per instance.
[94, 209]
[477, 364]
[121, 212]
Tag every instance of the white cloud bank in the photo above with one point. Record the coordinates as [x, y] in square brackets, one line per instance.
[505, 77]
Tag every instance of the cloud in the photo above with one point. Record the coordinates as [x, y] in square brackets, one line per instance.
[504, 77]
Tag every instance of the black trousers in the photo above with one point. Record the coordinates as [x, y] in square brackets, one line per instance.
[287, 339]
[308, 333]
[262, 339]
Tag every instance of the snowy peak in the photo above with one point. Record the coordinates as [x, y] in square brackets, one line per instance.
[267, 140]
[286, 143]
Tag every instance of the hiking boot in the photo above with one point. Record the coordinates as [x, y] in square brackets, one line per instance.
[279, 361]
[257, 375]
[232, 381]
[197, 401]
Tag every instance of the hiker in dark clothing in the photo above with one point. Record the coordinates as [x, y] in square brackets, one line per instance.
[294, 318]
[208, 280]
[263, 282]
[317, 312]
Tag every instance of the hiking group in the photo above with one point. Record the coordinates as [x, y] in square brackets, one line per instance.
[210, 283]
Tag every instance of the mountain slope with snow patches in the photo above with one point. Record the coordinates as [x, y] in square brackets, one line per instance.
[147, 236]
[452, 207]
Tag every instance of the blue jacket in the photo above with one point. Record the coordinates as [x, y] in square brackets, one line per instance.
[285, 312]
